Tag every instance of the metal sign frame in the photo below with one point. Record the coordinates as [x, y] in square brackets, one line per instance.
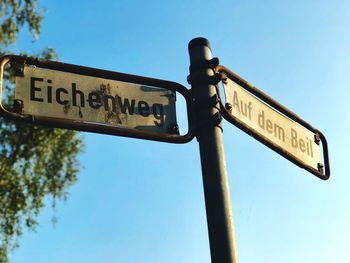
[322, 172]
[18, 62]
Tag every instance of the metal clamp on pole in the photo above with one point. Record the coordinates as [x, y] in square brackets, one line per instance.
[203, 78]
[206, 107]
[198, 75]
[210, 63]
[201, 121]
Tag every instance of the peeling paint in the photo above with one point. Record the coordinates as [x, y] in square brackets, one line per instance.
[66, 107]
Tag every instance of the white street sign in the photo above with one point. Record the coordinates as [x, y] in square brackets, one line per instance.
[276, 128]
[58, 94]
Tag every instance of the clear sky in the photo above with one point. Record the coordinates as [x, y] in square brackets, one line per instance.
[143, 201]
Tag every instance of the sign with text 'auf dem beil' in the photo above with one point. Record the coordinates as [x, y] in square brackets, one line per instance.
[280, 132]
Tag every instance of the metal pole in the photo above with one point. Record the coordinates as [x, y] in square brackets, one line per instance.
[209, 135]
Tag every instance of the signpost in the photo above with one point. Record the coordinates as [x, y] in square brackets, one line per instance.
[209, 135]
[87, 99]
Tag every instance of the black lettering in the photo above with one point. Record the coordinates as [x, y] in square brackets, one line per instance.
[158, 113]
[244, 108]
[33, 89]
[143, 108]
[302, 145]
[261, 120]
[279, 133]
[269, 126]
[250, 110]
[59, 100]
[49, 91]
[311, 150]
[107, 98]
[294, 137]
[94, 100]
[76, 92]
[235, 101]
[49, 94]
[126, 105]
[307, 145]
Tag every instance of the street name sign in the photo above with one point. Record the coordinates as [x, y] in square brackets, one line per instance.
[274, 125]
[81, 98]
[51, 93]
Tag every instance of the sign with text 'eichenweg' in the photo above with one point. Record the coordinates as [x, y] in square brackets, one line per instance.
[51, 93]
[273, 127]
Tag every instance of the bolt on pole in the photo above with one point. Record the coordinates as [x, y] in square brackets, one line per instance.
[209, 135]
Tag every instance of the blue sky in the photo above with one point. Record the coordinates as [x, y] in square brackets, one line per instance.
[142, 201]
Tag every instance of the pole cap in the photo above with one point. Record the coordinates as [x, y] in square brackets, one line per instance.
[199, 41]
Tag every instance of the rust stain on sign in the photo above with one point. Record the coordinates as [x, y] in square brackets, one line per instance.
[110, 116]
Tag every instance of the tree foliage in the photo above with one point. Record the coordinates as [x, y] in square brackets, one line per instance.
[36, 162]
[14, 15]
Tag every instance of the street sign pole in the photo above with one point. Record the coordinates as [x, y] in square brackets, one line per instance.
[209, 135]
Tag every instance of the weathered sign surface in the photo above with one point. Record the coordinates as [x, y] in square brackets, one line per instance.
[273, 125]
[64, 95]
[283, 131]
